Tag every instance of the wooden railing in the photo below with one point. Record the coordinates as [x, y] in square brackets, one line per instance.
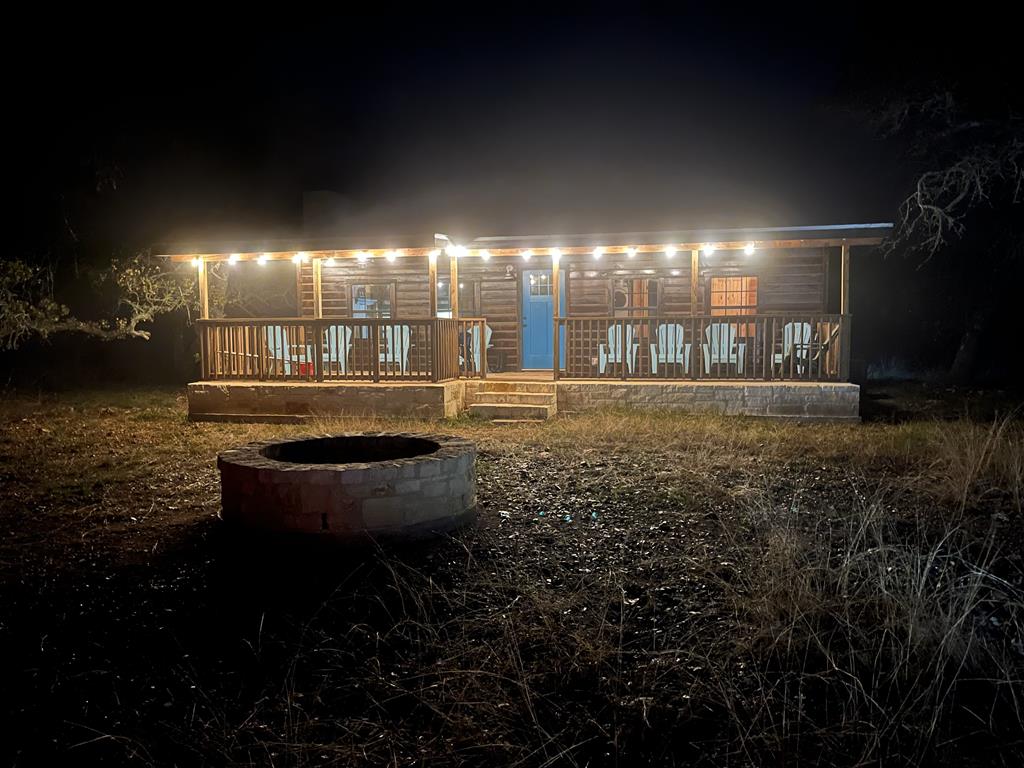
[343, 349]
[776, 347]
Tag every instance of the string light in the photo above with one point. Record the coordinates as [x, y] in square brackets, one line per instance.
[233, 258]
[749, 250]
[670, 251]
[485, 255]
[391, 255]
[598, 252]
[631, 251]
[708, 249]
[262, 260]
[527, 254]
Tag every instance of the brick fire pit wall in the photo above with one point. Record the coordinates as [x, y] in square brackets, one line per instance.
[350, 484]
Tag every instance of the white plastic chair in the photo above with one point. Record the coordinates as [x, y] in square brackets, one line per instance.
[721, 347]
[670, 349]
[279, 348]
[396, 346]
[615, 351]
[474, 345]
[339, 344]
[796, 345]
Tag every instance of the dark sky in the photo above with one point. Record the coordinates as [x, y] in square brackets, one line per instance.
[544, 121]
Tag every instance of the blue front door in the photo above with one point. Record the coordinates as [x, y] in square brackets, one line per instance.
[538, 326]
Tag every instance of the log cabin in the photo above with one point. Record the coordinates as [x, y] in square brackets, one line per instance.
[740, 321]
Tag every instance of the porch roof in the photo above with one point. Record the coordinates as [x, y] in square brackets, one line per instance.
[506, 245]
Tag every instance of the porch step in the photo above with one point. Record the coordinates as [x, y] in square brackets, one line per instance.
[521, 398]
[489, 385]
[512, 411]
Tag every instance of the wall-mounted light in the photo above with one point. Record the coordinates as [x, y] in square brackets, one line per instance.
[708, 249]
[670, 251]
[556, 255]
[456, 251]
[749, 250]
[233, 258]
[597, 252]
[485, 255]
[631, 251]
[196, 261]
[329, 261]
[262, 260]
[391, 255]
[527, 254]
[362, 257]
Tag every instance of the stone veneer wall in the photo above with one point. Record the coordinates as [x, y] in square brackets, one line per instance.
[215, 400]
[780, 399]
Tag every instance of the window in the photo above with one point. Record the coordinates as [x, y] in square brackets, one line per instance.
[372, 300]
[540, 284]
[635, 297]
[469, 302]
[734, 295]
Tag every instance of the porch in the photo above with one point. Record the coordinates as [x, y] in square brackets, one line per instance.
[740, 321]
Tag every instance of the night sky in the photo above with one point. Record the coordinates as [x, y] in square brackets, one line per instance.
[192, 127]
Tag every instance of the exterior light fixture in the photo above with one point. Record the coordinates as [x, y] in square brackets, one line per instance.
[675, 273]
[329, 261]
[708, 249]
[670, 251]
[461, 285]
[195, 262]
[262, 260]
[391, 255]
[233, 258]
[456, 251]
[485, 255]
[631, 251]
[598, 252]
[556, 255]
[297, 258]
[527, 254]
[362, 257]
[749, 250]
[434, 253]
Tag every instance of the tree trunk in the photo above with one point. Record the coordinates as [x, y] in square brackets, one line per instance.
[967, 353]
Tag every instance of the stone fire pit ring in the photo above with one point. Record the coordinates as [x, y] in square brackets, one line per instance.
[352, 484]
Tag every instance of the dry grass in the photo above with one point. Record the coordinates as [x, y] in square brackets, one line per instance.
[644, 588]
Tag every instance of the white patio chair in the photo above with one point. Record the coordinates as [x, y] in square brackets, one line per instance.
[474, 345]
[796, 345]
[721, 347]
[617, 350]
[670, 349]
[279, 348]
[396, 346]
[339, 344]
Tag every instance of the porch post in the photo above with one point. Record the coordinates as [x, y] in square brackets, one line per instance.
[453, 288]
[432, 282]
[556, 310]
[204, 288]
[318, 293]
[844, 282]
[694, 279]
[845, 319]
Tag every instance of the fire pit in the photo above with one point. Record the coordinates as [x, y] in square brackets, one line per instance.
[350, 484]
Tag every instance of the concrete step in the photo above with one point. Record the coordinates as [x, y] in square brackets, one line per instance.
[523, 398]
[517, 386]
[517, 411]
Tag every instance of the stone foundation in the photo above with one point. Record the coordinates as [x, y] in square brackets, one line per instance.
[285, 401]
[294, 486]
[295, 401]
[800, 400]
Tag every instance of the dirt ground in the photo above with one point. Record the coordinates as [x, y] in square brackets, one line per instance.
[638, 589]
